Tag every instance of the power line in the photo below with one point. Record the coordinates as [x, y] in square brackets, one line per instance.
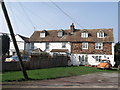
[26, 14]
[32, 12]
[14, 19]
[66, 14]
[21, 20]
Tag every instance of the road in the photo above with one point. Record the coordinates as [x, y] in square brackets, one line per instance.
[95, 80]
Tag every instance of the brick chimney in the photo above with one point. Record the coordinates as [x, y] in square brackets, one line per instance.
[72, 27]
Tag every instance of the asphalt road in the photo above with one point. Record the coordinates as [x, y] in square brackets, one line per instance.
[96, 80]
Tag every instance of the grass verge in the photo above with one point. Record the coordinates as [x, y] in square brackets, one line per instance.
[51, 73]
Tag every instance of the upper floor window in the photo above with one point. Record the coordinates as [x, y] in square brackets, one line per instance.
[60, 34]
[63, 45]
[85, 45]
[84, 35]
[100, 34]
[98, 45]
[42, 34]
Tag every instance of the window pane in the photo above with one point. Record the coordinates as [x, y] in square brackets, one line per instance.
[84, 45]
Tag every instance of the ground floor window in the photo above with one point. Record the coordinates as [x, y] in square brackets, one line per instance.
[83, 58]
[97, 58]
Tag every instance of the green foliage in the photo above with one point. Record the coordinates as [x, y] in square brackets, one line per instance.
[117, 54]
[51, 73]
[5, 43]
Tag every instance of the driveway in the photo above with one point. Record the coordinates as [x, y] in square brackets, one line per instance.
[96, 80]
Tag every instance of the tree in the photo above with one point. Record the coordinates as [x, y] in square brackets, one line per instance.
[117, 54]
[5, 43]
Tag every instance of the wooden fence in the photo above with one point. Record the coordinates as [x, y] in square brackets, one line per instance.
[38, 62]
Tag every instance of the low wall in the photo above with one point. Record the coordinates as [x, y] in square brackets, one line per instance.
[37, 62]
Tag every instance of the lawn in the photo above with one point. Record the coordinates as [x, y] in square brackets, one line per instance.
[51, 73]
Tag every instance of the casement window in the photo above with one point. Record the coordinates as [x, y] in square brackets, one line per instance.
[83, 58]
[42, 34]
[85, 45]
[63, 45]
[84, 35]
[97, 58]
[32, 46]
[47, 46]
[98, 45]
[60, 34]
[100, 34]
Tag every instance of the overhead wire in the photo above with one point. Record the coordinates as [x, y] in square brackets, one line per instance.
[17, 17]
[14, 19]
[26, 14]
[66, 14]
[34, 14]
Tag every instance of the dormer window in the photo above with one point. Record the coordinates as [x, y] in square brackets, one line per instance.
[60, 33]
[84, 35]
[43, 34]
[101, 34]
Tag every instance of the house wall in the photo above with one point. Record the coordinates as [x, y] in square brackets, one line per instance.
[91, 60]
[20, 44]
[77, 49]
[106, 52]
[52, 45]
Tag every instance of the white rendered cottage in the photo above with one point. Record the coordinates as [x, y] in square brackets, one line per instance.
[85, 46]
[22, 42]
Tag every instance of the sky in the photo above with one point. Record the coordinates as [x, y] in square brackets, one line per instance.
[26, 17]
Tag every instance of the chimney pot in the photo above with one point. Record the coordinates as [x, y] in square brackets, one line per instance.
[72, 27]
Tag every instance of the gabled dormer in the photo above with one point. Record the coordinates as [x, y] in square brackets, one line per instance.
[84, 34]
[43, 34]
[60, 33]
[100, 34]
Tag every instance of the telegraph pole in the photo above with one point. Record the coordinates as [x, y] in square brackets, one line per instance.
[14, 40]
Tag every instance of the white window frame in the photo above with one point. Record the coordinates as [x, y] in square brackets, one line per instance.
[42, 34]
[84, 35]
[99, 45]
[85, 45]
[60, 34]
[100, 34]
[98, 58]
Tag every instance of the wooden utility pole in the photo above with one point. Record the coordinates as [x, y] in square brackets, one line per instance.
[14, 40]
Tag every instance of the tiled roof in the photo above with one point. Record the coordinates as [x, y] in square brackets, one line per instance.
[73, 36]
[26, 39]
[59, 50]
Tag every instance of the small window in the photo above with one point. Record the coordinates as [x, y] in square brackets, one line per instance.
[47, 46]
[98, 45]
[60, 34]
[84, 58]
[85, 45]
[101, 34]
[98, 58]
[84, 35]
[32, 46]
[42, 34]
[63, 45]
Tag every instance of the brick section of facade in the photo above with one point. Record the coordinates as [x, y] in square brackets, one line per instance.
[77, 49]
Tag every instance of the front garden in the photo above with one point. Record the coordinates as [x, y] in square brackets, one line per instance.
[52, 73]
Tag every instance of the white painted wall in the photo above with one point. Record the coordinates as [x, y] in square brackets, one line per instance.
[92, 61]
[52, 45]
[40, 45]
[20, 43]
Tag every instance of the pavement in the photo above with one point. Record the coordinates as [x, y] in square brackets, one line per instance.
[95, 80]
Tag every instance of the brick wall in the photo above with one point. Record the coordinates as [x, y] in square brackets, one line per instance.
[77, 49]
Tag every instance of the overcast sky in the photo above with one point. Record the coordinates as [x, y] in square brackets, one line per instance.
[29, 16]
